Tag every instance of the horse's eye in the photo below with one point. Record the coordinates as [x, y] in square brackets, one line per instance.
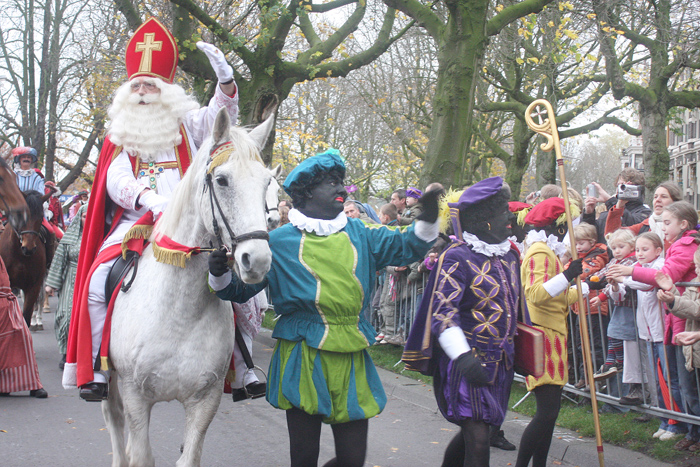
[222, 181]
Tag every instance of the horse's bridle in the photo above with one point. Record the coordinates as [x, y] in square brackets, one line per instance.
[33, 232]
[214, 201]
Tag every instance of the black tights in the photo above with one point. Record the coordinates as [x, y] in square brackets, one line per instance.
[472, 438]
[305, 436]
[537, 437]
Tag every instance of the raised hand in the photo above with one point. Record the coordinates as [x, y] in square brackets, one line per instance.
[664, 281]
[224, 71]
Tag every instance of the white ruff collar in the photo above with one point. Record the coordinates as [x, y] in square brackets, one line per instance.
[320, 227]
[25, 173]
[552, 242]
[487, 249]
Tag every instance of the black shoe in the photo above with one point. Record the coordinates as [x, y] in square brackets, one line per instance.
[94, 392]
[238, 394]
[256, 389]
[251, 391]
[4, 394]
[62, 363]
[39, 393]
[498, 440]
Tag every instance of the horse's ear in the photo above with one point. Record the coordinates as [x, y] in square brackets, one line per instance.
[222, 127]
[261, 132]
[277, 171]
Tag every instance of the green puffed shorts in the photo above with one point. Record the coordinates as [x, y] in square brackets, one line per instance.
[341, 387]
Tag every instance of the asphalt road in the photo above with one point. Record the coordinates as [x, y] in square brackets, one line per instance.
[66, 431]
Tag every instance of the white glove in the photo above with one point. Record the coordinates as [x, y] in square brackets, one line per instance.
[224, 71]
[153, 202]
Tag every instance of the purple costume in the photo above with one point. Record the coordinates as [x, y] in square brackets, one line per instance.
[479, 294]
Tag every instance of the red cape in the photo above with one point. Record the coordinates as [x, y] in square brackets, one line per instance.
[95, 231]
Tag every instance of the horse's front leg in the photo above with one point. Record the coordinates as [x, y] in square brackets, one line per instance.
[138, 416]
[30, 297]
[199, 412]
[113, 412]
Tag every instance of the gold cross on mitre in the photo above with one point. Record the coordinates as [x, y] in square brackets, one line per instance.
[147, 47]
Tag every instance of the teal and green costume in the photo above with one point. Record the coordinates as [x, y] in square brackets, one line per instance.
[319, 285]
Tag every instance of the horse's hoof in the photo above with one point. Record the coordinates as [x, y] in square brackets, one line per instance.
[93, 392]
[39, 393]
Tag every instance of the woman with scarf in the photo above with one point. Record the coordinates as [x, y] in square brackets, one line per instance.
[61, 278]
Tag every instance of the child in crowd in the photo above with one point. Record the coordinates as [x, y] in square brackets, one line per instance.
[679, 225]
[595, 257]
[686, 307]
[393, 281]
[622, 334]
[650, 325]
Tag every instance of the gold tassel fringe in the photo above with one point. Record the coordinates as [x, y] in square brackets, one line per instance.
[172, 257]
[140, 232]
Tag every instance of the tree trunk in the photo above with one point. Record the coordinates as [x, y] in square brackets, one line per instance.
[545, 168]
[461, 51]
[655, 147]
[520, 160]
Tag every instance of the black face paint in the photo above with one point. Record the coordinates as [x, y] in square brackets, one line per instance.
[496, 228]
[325, 200]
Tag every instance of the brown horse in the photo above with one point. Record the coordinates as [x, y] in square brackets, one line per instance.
[27, 250]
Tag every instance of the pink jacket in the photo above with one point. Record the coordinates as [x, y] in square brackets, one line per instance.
[679, 267]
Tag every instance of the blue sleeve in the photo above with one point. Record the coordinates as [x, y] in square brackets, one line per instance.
[39, 185]
[240, 292]
[395, 246]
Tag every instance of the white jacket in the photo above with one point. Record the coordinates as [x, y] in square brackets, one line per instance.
[650, 313]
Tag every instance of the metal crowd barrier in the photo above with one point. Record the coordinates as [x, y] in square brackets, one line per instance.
[409, 294]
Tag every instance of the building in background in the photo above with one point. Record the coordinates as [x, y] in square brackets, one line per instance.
[683, 146]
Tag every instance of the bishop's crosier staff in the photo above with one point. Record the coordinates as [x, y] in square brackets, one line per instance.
[548, 129]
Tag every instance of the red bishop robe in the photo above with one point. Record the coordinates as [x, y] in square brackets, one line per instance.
[95, 230]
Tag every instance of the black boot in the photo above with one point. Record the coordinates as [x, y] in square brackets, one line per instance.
[498, 440]
[94, 392]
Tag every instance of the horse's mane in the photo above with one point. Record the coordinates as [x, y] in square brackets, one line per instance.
[185, 191]
[36, 206]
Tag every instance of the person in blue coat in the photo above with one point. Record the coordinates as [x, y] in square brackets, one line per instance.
[323, 268]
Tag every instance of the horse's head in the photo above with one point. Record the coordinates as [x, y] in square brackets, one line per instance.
[221, 199]
[272, 199]
[12, 201]
[30, 235]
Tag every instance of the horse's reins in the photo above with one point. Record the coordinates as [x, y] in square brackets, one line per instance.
[214, 201]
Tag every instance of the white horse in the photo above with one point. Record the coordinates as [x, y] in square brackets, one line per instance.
[171, 337]
[272, 199]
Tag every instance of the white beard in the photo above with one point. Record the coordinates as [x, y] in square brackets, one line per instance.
[147, 130]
